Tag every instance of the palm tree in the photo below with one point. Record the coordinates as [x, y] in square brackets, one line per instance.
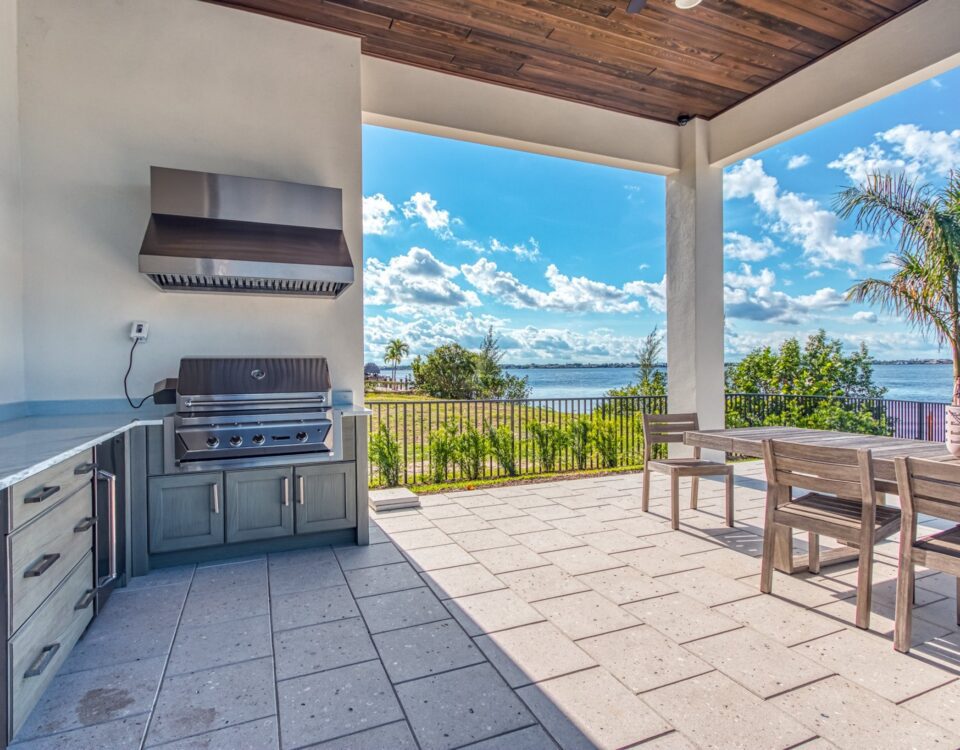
[396, 351]
[923, 288]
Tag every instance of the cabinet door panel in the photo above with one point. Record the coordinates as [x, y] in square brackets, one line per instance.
[185, 511]
[259, 504]
[326, 497]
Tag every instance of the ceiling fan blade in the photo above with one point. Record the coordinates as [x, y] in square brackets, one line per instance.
[635, 6]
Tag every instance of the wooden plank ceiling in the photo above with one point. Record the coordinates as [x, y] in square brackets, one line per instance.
[659, 63]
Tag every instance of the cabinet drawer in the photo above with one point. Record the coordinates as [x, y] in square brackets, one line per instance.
[38, 650]
[41, 553]
[34, 495]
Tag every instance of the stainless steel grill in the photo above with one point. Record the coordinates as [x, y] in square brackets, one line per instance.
[232, 409]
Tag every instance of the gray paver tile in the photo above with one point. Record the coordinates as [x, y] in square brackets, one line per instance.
[251, 735]
[457, 708]
[507, 559]
[421, 538]
[180, 575]
[121, 734]
[351, 558]
[225, 605]
[401, 609]
[212, 699]
[423, 650]
[395, 524]
[643, 659]
[681, 618]
[491, 611]
[288, 577]
[624, 585]
[614, 541]
[486, 539]
[656, 561]
[396, 736]
[382, 579]
[311, 607]
[730, 716]
[585, 614]
[232, 575]
[461, 581]
[549, 541]
[551, 511]
[206, 646]
[318, 647]
[112, 640]
[684, 542]
[582, 560]
[542, 583]
[498, 512]
[524, 524]
[940, 706]
[327, 705]
[709, 587]
[461, 524]
[781, 620]
[444, 556]
[447, 510]
[590, 709]
[531, 738]
[533, 653]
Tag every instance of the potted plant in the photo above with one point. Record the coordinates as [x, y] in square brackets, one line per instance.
[923, 288]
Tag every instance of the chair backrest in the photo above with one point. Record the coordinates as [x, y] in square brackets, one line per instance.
[844, 472]
[667, 428]
[929, 487]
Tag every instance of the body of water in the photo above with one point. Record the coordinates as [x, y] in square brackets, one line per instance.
[907, 382]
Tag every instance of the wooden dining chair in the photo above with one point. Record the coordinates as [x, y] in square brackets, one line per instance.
[840, 502]
[659, 429]
[931, 488]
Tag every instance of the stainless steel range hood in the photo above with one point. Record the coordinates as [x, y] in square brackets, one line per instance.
[220, 233]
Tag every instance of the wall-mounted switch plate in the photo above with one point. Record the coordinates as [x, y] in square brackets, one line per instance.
[139, 330]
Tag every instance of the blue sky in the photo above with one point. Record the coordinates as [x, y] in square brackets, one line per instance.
[566, 260]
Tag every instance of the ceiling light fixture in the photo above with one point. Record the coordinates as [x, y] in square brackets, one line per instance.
[686, 4]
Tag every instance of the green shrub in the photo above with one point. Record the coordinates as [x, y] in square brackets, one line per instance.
[385, 454]
[442, 445]
[606, 439]
[471, 450]
[578, 435]
[549, 442]
[503, 445]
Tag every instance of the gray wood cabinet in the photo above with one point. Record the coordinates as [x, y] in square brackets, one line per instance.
[326, 497]
[185, 511]
[259, 504]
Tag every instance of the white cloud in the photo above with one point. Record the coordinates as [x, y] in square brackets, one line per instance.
[936, 83]
[654, 293]
[529, 250]
[865, 316]
[814, 274]
[741, 247]
[798, 161]
[423, 206]
[907, 149]
[749, 295]
[378, 214]
[747, 279]
[417, 278]
[801, 220]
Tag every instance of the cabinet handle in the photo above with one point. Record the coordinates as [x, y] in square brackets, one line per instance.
[286, 490]
[216, 497]
[85, 468]
[86, 599]
[38, 496]
[300, 488]
[85, 525]
[111, 480]
[41, 566]
[42, 661]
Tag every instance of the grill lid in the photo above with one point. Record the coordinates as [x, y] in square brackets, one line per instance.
[261, 377]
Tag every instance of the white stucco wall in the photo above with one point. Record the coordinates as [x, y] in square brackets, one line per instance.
[11, 253]
[109, 87]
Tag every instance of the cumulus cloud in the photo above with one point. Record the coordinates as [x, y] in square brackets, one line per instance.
[378, 214]
[907, 149]
[749, 295]
[423, 206]
[654, 293]
[865, 316]
[798, 161]
[529, 250]
[801, 220]
[738, 246]
[417, 278]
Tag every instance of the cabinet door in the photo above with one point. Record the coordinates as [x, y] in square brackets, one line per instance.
[185, 511]
[326, 497]
[259, 504]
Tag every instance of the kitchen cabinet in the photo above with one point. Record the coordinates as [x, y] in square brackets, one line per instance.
[185, 511]
[259, 504]
[326, 497]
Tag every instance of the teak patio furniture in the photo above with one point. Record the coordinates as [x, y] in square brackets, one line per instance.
[840, 502]
[659, 429]
[933, 489]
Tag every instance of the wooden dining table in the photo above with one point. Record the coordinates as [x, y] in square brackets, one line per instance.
[748, 441]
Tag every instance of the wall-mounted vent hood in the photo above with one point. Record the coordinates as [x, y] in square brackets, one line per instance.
[219, 233]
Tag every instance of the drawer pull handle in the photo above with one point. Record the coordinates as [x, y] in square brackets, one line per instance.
[85, 525]
[86, 599]
[41, 566]
[42, 661]
[38, 496]
[84, 468]
[286, 490]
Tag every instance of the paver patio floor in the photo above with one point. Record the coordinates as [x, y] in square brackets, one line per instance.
[529, 617]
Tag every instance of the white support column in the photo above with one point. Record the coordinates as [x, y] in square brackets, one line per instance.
[695, 281]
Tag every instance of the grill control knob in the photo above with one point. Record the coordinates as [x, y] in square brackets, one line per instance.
[302, 437]
[236, 441]
[258, 439]
[213, 441]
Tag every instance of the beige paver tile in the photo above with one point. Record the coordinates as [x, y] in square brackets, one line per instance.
[395, 524]
[580, 502]
[643, 659]
[542, 583]
[432, 537]
[528, 500]
[781, 620]
[714, 711]
[460, 524]
[552, 511]
[590, 709]
[581, 525]
[882, 619]
[939, 583]
[870, 661]
[585, 614]
[942, 613]
[625, 585]
[614, 541]
[761, 664]
[533, 653]
[681, 618]
[643, 525]
[803, 590]
[549, 541]
[581, 560]
[853, 717]
[475, 499]
[524, 524]
[487, 539]
[461, 581]
[656, 561]
[940, 706]
[683, 542]
[610, 513]
[728, 562]
[444, 556]
[507, 559]
[449, 510]
[672, 741]
[491, 611]
[709, 587]
[497, 512]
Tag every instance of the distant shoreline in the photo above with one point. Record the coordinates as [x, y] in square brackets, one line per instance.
[635, 365]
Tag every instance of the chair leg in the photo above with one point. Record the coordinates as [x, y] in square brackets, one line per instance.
[766, 566]
[645, 503]
[694, 492]
[729, 500]
[903, 619]
[674, 501]
[813, 553]
[865, 584]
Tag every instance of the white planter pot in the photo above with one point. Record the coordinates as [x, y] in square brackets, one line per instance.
[952, 430]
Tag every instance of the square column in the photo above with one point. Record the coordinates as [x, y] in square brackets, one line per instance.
[695, 281]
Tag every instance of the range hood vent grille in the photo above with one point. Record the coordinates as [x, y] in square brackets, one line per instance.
[246, 285]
